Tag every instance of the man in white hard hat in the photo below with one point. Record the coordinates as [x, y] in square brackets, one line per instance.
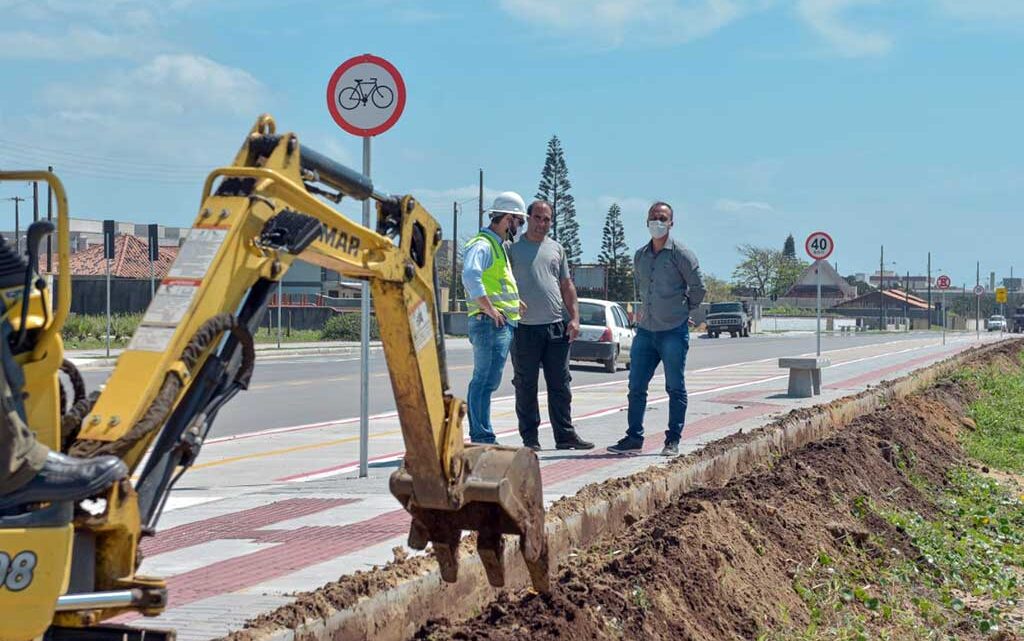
[492, 300]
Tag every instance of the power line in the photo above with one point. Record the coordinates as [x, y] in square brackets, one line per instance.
[96, 158]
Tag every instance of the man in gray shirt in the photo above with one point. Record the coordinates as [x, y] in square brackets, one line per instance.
[668, 279]
[542, 337]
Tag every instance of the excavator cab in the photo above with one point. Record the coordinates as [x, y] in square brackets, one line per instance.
[65, 569]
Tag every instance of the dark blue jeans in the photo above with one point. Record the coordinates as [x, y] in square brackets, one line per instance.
[490, 351]
[650, 348]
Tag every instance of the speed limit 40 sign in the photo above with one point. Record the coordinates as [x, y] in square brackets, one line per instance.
[819, 245]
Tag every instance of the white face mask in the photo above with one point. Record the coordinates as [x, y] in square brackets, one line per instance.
[658, 228]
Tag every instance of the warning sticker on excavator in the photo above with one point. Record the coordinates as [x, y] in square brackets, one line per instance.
[172, 302]
[197, 253]
[149, 338]
[422, 328]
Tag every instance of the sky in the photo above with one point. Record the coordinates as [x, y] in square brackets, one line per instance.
[881, 122]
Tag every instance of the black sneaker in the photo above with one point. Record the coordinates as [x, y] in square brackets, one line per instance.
[533, 446]
[627, 445]
[578, 444]
[671, 448]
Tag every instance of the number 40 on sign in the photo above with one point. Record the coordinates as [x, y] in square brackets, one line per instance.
[819, 245]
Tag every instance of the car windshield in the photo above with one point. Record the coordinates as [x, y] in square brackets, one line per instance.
[997, 317]
[719, 308]
[592, 314]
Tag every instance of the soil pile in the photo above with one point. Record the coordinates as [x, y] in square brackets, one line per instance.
[721, 562]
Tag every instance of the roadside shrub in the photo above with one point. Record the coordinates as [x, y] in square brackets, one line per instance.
[345, 327]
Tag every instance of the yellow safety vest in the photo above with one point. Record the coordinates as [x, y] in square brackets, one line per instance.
[498, 280]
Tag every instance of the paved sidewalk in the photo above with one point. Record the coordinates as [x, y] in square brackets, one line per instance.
[266, 514]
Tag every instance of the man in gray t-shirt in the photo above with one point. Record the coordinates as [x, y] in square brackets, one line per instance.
[542, 337]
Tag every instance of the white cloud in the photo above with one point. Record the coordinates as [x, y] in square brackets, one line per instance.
[77, 43]
[731, 206]
[824, 18]
[984, 9]
[618, 22]
[169, 84]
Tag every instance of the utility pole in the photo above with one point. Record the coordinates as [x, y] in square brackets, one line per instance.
[977, 304]
[906, 300]
[881, 290]
[929, 291]
[480, 216]
[17, 223]
[455, 256]
[49, 217]
[35, 214]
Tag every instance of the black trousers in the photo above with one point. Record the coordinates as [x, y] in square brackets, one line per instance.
[534, 347]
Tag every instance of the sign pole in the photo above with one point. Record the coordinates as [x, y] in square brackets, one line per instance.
[364, 343]
[365, 108]
[817, 277]
[943, 317]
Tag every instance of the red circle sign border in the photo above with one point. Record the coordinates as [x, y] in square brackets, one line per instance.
[943, 279]
[979, 290]
[399, 84]
[831, 245]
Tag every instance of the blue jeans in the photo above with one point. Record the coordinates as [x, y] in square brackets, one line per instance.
[650, 348]
[490, 350]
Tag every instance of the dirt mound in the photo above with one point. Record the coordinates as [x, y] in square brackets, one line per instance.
[720, 563]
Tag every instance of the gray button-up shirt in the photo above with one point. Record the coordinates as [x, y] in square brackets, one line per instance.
[669, 284]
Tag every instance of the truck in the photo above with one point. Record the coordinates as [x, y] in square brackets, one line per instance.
[732, 317]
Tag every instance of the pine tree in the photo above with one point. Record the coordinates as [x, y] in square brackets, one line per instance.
[615, 256]
[789, 248]
[554, 188]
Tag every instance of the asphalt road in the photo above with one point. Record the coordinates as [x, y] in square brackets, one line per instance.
[312, 389]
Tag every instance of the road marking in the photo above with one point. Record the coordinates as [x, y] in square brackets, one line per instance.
[617, 381]
[349, 467]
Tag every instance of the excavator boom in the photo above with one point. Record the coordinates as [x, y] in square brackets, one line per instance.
[193, 352]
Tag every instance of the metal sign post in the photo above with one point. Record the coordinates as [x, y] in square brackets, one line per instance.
[364, 343]
[979, 291]
[943, 283]
[365, 97]
[819, 246]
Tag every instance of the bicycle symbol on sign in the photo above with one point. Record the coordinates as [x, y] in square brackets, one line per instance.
[362, 92]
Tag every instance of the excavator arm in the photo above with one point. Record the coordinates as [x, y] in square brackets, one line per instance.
[193, 352]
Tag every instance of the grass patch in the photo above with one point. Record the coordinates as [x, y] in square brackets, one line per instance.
[964, 575]
[998, 414]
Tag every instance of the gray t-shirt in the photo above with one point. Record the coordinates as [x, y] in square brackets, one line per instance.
[539, 268]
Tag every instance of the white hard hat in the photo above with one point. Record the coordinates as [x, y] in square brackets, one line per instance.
[508, 202]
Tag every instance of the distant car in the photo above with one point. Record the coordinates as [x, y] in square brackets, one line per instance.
[996, 322]
[605, 334]
[732, 317]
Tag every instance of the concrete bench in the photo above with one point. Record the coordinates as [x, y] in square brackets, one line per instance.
[804, 375]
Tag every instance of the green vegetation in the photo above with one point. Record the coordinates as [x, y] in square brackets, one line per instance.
[963, 573]
[345, 327]
[960, 572]
[998, 440]
[83, 331]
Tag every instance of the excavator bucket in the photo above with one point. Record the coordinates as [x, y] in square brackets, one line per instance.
[501, 493]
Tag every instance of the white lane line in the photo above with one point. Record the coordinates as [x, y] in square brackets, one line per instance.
[392, 414]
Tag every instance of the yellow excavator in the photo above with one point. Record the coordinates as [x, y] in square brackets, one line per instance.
[71, 567]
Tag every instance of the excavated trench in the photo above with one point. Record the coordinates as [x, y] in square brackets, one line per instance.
[718, 560]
